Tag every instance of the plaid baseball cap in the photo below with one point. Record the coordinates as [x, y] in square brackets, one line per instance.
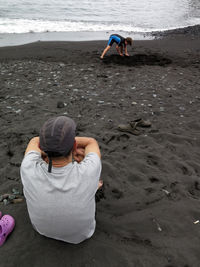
[57, 136]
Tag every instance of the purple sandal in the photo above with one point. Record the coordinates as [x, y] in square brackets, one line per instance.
[7, 224]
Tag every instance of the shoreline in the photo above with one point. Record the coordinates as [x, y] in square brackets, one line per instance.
[15, 39]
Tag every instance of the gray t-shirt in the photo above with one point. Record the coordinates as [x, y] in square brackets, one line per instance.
[61, 204]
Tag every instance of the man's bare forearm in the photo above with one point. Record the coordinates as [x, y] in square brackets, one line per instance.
[34, 145]
[83, 141]
[89, 144]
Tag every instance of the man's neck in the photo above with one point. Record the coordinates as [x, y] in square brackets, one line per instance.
[60, 161]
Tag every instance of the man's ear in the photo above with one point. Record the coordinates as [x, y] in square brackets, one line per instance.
[74, 146]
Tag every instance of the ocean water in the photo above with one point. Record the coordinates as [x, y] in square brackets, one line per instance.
[24, 16]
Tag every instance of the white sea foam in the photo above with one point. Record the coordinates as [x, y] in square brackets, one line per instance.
[138, 16]
[37, 26]
[25, 26]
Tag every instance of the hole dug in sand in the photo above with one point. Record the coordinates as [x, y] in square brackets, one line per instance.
[138, 60]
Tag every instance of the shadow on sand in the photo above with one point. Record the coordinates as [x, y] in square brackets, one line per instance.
[138, 60]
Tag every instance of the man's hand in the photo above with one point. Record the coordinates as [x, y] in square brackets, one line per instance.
[79, 154]
[100, 184]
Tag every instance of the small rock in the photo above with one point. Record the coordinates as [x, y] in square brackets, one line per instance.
[5, 201]
[15, 191]
[17, 200]
[60, 104]
[11, 197]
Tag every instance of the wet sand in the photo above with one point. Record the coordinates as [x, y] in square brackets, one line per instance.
[151, 196]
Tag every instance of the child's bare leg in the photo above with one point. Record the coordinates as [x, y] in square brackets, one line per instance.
[105, 51]
[121, 49]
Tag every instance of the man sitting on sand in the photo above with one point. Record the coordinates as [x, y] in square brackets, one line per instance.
[121, 43]
[60, 175]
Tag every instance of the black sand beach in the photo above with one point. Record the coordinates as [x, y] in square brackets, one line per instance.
[151, 196]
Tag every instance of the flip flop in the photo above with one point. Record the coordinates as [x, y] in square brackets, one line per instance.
[141, 123]
[129, 128]
[0, 214]
[7, 224]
